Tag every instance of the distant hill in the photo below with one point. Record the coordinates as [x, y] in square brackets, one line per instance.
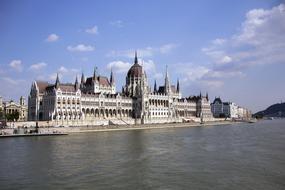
[275, 110]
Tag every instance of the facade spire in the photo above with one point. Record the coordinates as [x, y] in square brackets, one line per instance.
[166, 82]
[178, 86]
[155, 88]
[57, 81]
[136, 58]
[76, 84]
[112, 79]
[94, 73]
[207, 96]
[82, 78]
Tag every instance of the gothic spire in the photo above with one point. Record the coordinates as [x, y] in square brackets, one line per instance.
[112, 79]
[155, 88]
[166, 82]
[207, 96]
[57, 81]
[178, 86]
[82, 78]
[94, 73]
[76, 84]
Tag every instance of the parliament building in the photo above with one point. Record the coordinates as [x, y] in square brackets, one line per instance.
[95, 101]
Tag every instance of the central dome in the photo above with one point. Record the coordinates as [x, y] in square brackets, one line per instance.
[136, 70]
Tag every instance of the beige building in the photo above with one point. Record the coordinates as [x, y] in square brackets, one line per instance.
[229, 110]
[95, 101]
[11, 106]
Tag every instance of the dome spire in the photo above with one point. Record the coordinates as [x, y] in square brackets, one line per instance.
[136, 58]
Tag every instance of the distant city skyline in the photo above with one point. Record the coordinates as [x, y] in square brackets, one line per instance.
[230, 49]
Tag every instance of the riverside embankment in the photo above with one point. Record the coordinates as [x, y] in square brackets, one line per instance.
[86, 129]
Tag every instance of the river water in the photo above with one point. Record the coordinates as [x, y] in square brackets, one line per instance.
[239, 156]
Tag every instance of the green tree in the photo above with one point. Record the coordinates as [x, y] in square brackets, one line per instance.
[1, 114]
[13, 116]
[16, 115]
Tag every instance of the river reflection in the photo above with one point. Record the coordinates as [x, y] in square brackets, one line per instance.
[240, 156]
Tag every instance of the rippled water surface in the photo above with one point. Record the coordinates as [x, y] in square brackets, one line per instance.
[240, 156]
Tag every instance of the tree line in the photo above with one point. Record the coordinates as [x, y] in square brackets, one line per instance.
[14, 116]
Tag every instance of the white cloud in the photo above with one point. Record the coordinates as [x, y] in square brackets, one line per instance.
[62, 69]
[167, 48]
[214, 84]
[38, 66]
[143, 52]
[191, 72]
[52, 77]
[204, 75]
[259, 41]
[52, 38]
[16, 65]
[219, 41]
[64, 73]
[123, 67]
[158, 76]
[81, 48]
[117, 23]
[119, 66]
[12, 81]
[148, 65]
[93, 30]
[226, 59]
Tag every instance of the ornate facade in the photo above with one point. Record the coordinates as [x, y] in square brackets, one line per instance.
[11, 106]
[95, 101]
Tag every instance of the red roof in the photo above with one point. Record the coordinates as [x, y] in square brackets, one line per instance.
[42, 86]
[135, 71]
[104, 81]
[67, 87]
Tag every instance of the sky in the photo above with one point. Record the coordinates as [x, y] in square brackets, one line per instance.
[231, 49]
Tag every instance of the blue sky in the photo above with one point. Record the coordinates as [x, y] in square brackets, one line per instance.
[232, 49]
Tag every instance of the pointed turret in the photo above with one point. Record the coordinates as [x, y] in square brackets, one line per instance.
[200, 95]
[207, 96]
[155, 88]
[22, 101]
[166, 83]
[94, 73]
[57, 81]
[112, 79]
[76, 84]
[177, 86]
[82, 79]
